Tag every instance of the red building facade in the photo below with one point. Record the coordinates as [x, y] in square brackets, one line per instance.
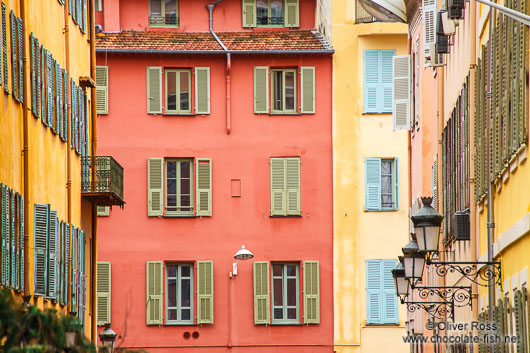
[224, 133]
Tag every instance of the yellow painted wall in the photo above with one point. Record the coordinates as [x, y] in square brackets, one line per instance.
[361, 235]
[48, 174]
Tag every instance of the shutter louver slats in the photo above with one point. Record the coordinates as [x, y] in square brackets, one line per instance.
[307, 86]
[292, 183]
[249, 13]
[435, 182]
[154, 90]
[13, 239]
[74, 274]
[4, 228]
[278, 186]
[62, 262]
[390, 307]
[57, 98]
[14, 72]
[102, 87]
[21, 242]
[203, 169]
[311, 292]
[103, 292]
[155, 177]
[386, 76]
[373, 184]
[261, 293]
[205, 292]
[374, 314]
[32, 58]
[53, 254]
[65, 102]
[154, 293]
[371, 80]
[43, 84]
[261, 89]
[291, 14]
[401, 92]
[67, 261]
[42, 216]
[20, 54]
[202, 90]
[4, 48]
[429, 27]
[37, 79]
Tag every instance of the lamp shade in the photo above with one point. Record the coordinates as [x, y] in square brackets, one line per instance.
[427, 222]
[107, 338]
[413, 260]
[243, 254]
[386, 10]
[400, 282]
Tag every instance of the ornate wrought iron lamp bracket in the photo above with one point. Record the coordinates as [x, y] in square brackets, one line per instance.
[477, 272]
[460, 296]
[437, 310]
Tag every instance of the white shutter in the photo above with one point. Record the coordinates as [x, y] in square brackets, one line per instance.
[429, 27]
[401, 92]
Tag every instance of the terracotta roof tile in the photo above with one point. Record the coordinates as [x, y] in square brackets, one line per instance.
[150, 41]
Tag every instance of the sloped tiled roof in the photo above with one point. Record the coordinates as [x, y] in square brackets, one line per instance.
[204, 42]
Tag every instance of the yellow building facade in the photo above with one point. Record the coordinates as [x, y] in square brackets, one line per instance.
[47, 134]
[369, 228]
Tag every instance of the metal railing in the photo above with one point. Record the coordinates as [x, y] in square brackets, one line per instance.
[361, 15]
[101, 174]
[167, 20]
[270, 20]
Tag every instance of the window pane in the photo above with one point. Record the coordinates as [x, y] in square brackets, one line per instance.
[171, 86]
[185, 186]
[262, 11]
[277, 270]
[185, 169]
[172, 271]
[289, 90]
[172, 314]
[278, 92]
[386, 185]
[171, 169]
[155, 7]
[185, 200]
[171, 186]
[185, 271]
[291, 313]
[171, 12]
[172, 293]
[278, 292]
[291, 292]
[276, 12]
[386, 167]
[278, 313]
[171, 200]
[186, 314]
[386, 201]
[291, 270]
[185, 292]
[184, 90]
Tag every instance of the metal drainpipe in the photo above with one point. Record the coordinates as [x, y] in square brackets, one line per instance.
[94, 126]
[210, 8]
[25, 151]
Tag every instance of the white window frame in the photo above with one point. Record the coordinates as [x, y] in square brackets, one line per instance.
[177, 90]
[191, 161]
[284, 305]
[272, 84]
[179, 308]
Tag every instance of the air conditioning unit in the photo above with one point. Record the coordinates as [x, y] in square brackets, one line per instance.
[445, 25]
[455, 13]
[461, 225]
[437, 60]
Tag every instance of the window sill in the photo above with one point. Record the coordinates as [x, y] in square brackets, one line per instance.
[286, 324]
[287, 216]
[287, 114]
[382, 113]
[179, 324]
[392, 210]
[180, 216]
[180, 114]
[381, 325]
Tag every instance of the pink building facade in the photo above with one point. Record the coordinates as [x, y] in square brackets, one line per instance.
[226, 140]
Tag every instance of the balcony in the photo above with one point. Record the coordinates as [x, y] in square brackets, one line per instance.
[164, 20]
[361, 15]
[102, 181]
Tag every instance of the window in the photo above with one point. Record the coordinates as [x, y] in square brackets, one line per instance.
[285, 293]
[163, 13]
[103, 292]
[179, 295]
[284, 95]
[381, 300]
[179, 287]
[271, 13]
[178, 84]
[378, 81]
[381, 184]
[182, 88]
[179, 187]
[283, 91]
[285, 186]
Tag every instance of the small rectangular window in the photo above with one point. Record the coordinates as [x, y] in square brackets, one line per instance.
[179, 187]
[269, 12]
[283, 91]
[381, 184]
[179, 293]
[178, 86]
[163, 13]
[285, 301]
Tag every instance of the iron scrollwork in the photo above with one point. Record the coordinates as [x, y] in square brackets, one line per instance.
[476, 272]
[437, 310]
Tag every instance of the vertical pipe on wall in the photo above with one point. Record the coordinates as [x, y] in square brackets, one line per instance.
[94, 128]
[228, 70]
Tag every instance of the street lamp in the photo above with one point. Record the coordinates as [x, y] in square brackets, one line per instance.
[413, 261]
[107, 338]
[400, 282]
[241, 254]
[427, 222]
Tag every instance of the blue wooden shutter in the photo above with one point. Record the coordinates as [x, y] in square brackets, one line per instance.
[62, 263]
[396, 178]
[37, 80]
[57, 97]
[371, 80]
[390, 304]
[66, 261]
[20, 54]
[42, 76]
[4, 47]
[3, 233]
[14, 74]
[53, 254]
[84, 16]
[13, 241]
[374, 314]
[65, 102]
[386, 80]
[373, 183]
[81, 277]
[32, 58]
[21, 242]
[49, 87]
[42, 216]
[73, 286]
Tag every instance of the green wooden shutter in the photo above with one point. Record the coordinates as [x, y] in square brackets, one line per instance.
[73, 281]
[154, 90]
[390, 304]
[292, 183]
[53, 254]
[62, 262]
[49, 88]
[203, 168]
[21, 240]
[66, 262]
[14, 73]
[43, 84]
[84, 16]
[102, 89]
[37, 79]
[20, 54]
[12, 227]
[307, 87]
[202, 90]
[311, 292]
[42, 216]
[261, 89]
[32, 58]
[249, 13]
[291, 13]
[261, 293]
[278, 183]
[205, 292]
[155, 178]
[65, 99]
[374, 312]
[57, 97]
[373, 183]
[4, 48]
[60, 101]
[5, 234]
[103, 292]
[154, 293]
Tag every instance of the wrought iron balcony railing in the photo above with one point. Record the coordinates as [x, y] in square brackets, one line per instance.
[167, 20]
[275, 20]
[102, 180]
[361, 15]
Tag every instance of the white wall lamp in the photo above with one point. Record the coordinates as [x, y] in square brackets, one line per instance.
[241, 254]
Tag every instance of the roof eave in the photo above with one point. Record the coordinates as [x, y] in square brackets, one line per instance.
[212, 52]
